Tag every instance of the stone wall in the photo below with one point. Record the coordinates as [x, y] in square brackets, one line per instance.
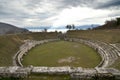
[14, 71]
[74, 72]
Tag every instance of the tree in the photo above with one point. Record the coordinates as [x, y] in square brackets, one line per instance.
[118, 21]
[70, 26]
[73, 26]
[88, 28]
[67, 26]
[45, 30]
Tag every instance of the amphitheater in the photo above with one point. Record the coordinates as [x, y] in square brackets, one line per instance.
[109, 53]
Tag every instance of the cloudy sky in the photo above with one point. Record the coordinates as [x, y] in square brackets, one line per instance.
[57, 13]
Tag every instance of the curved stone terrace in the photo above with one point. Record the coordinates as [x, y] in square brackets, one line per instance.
[29, 44]
[108, 52]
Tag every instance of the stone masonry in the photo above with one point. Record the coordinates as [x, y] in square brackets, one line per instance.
[108, 52]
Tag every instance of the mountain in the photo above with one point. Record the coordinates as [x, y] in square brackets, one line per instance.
[11, 29]
[84, 27]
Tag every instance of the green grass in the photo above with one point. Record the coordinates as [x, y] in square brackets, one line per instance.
[9, 44]
[108, 36]
[54, 54]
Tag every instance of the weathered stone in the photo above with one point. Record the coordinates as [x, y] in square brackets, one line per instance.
[109, 54]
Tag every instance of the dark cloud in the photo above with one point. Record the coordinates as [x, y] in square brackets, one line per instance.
[8, 10]
[96, 4]
[112, 4]
[30, 4]
[77, 2]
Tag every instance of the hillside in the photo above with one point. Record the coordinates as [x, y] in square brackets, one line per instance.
[108, 36]
[9, 44]
[10, 29]
[110, 24]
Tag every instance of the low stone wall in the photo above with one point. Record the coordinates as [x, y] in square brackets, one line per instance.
[14, 71]
[74, 72]
[25, 48]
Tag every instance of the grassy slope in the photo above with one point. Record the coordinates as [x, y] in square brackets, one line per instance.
[9, 44]
[49, 54]
[111, 36]
[8, 47]
[108, 36]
